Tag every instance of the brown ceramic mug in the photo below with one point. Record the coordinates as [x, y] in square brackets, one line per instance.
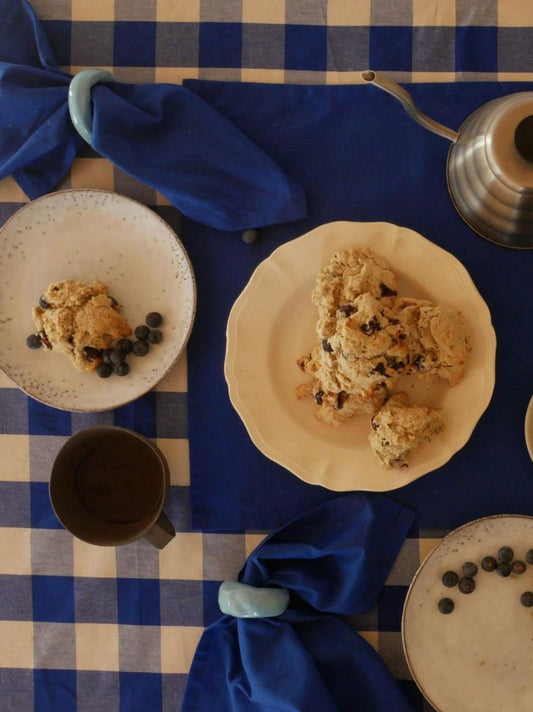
[108, 487]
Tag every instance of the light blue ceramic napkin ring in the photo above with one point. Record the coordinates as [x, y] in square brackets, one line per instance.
[243, 601]
[79, 99]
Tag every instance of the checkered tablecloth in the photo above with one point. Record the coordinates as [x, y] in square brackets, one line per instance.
[89, 629]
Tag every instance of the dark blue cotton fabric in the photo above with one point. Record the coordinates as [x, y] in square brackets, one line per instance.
[334, 560]
[358, 157]
[161, 134]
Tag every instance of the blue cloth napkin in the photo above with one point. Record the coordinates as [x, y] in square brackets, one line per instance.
[333, 560]
[358, 156]
[161, 134]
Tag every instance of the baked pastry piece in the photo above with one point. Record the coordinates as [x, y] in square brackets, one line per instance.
[436, 338]
[79, 320]
[400, 428]
[348, 274]
[368, 337]
[355, 368]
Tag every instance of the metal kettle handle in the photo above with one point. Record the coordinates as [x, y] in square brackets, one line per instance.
[408, 104]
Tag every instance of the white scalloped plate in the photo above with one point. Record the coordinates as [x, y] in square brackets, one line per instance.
[87, 235]
[479, 657]
[272, 323]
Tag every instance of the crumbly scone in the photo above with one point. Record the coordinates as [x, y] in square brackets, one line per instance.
[436, 338]
[400, 428]
[349, 274]
[369, 337]
[74, 317]
[361, 361]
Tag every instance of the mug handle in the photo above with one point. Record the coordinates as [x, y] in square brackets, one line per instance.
[161, 532]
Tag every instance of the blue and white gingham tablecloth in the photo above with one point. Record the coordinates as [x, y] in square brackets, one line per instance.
[88, 629]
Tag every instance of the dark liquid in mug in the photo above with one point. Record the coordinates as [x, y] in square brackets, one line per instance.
[119, 478]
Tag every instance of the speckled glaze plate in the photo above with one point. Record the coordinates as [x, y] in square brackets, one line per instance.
[272, 324]
[479, 657]
[87, 235]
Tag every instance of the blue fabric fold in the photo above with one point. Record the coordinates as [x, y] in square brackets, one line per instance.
[334, 560]
[161, 134]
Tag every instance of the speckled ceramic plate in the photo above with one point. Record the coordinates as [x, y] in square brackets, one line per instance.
[272, 324]
[88, 235]
[479, 657]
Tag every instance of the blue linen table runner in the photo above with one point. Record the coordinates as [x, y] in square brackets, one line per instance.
[358, 157]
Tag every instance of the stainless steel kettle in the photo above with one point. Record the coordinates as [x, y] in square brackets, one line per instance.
[490, 163]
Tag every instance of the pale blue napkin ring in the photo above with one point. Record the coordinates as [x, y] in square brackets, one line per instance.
[243, 601]
[79, 99]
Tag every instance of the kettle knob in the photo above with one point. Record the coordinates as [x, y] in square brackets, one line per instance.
[523, 138]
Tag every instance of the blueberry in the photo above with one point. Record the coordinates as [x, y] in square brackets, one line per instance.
[106, 355]
[125, 345]
[155, 336]
[467, 585]
[387, 291]
[446, 605]
[122, 369]
[34, 341]
[249, 236]
[141, 332]
[327, 346]
[529, 556]
[347, 309]
[43, 303]
[154, 319]
[504, 568]
[104, 370]
[114, 302]
[505, 554]
[526, 599]
[319, 397]
[90, 353]
[450, 579]
[117, 356]
[141, 348]
[469, 569]
[489, 563]
[518, 567]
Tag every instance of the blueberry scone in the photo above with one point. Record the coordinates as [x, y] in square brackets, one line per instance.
[355, 368]
[349, 274]
[436, 338]
[367, 338]
[400, 428]
[79, 320]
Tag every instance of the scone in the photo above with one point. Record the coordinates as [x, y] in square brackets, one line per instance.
[79, 320]
[399, 429]
[349, 274]
[436, 338]
[357, 366]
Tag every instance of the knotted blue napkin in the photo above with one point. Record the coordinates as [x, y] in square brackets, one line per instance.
[334, 561]
[162, 134]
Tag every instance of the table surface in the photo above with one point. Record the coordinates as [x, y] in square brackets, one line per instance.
[87, 628]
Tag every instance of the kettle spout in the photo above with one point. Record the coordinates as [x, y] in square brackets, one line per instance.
[408, 104]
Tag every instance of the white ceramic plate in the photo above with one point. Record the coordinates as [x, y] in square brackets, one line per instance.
[88, 235]
[272, 323]
[528, 428]
[479, 657]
